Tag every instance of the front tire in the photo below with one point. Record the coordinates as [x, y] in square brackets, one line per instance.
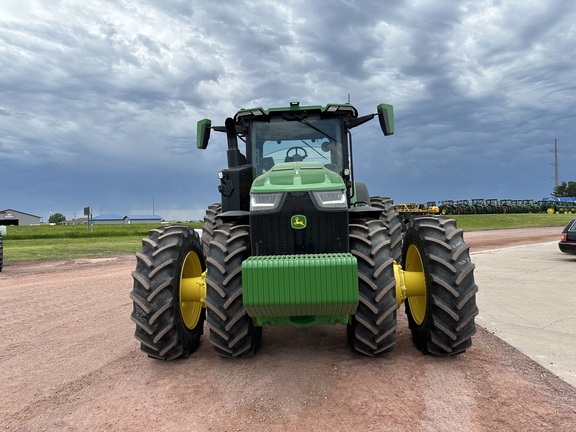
[167, 326]
[442, 319]
[372, 330]
[232, 331]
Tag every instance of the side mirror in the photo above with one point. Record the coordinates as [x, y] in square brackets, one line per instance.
[386, 117]
[203, 133]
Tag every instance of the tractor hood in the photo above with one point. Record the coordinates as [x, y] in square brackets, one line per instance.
[297, 176]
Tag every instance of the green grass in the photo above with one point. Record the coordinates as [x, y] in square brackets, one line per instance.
[66, 248]
[80, 231]
[45, 242]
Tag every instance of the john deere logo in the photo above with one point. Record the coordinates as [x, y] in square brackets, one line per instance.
[298, 221]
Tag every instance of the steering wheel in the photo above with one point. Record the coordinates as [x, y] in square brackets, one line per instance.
[296, 157]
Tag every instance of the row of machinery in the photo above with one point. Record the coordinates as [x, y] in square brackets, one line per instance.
[489, 206]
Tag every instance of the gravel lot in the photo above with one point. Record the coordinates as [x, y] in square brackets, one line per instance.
[69, 362]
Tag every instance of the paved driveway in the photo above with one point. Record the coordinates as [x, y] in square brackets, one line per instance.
[527, 297]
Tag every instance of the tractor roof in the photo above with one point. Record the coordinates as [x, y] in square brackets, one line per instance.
[330, 110]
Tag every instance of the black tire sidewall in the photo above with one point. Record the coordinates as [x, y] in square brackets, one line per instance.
[375, 264]
[230, 247]
[159, 323]
[448, 323]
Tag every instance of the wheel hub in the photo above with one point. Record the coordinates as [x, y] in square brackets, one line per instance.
[192, 290]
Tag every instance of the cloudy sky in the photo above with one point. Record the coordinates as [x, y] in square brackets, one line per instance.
[99, 100]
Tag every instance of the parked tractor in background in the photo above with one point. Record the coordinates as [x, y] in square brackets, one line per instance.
[479, 206]
[447, 207]
[464, 207]
[532, 206]
[547, 206]
[507, 206]
[520, 206]
[297, 240]
[493, 206]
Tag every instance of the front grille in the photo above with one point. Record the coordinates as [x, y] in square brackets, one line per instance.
[325, 232]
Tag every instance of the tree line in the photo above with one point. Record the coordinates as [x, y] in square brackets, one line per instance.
[565, 190]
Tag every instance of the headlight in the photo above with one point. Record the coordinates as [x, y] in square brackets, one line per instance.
[265, 202]
[330, 199]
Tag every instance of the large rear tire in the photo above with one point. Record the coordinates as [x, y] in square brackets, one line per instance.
[211, 222]
[167, 326]
[372, 330]
[391, 220]
[441, 320]
[232, 331]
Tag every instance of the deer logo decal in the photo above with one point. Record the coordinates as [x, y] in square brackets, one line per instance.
[298, 221]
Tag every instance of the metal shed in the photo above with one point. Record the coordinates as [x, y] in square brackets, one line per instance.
[15, 217]
[142, 219]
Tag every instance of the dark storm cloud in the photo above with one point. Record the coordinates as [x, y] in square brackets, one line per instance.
[99, 100]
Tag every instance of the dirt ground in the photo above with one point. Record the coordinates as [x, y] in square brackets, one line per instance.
[69, 362]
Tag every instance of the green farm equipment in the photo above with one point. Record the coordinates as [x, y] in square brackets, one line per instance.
[507, 206]
[296, 240]
[479, 205]
[493, 206]
[447, 207]
[532, 206]
[547, 206]
[521, 207]
[464, 207]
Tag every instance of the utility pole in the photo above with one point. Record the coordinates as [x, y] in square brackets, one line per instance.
[555, 163]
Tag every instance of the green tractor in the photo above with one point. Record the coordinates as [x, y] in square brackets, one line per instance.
[296, 240]
[532, 206]
[520, 206]
[479, 205]
[447, 207]
[493, 206]
[464, 207]
[507, 206]
[547, 206]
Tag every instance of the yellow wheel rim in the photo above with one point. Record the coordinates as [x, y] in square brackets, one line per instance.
[550, 210]
[192, 290]
[415, 268]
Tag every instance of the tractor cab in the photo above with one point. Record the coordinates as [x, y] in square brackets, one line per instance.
[317, 138]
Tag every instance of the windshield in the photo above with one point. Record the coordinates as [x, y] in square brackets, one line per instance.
[280, 141]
